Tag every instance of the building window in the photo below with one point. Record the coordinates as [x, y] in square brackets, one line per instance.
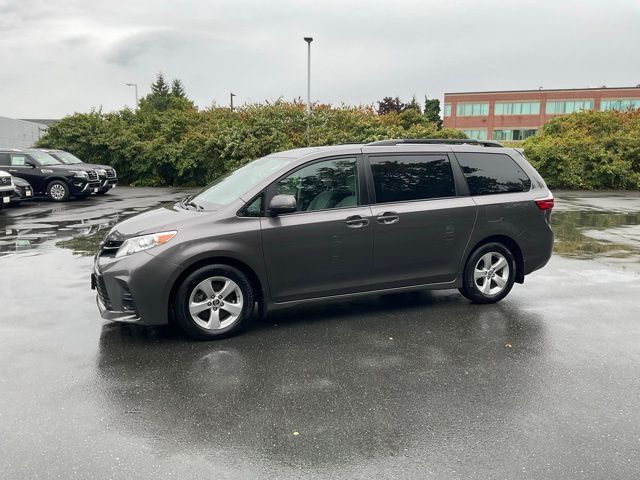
[517, 108]
[620, 104]
[447, 109]
[557, 107]
[476, 134]
[514, 134]
[472, 109]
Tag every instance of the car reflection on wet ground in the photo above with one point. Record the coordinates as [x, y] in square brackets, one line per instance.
[544, 384]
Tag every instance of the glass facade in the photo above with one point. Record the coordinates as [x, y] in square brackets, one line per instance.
[556, 107]
[513, 134]
[620, 104]
[447, 109]
[476, 134]
[517, 108]
[472, 109]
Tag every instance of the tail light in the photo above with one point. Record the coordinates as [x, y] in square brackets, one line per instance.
[545, 203]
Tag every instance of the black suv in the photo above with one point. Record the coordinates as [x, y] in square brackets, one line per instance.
[107, 174]
[48, 176]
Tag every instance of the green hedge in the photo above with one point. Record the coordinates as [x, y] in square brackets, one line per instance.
[186, 146]
[588, 150]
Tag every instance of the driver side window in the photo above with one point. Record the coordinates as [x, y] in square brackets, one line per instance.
[18, 160]
[323, 185]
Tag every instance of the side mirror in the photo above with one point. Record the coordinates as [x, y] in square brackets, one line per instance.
[282, 204]
[30, 164]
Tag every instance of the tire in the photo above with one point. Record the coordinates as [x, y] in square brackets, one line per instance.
[58, 191]
[500, 274]
[194, 309]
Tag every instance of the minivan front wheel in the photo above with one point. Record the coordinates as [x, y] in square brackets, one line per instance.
[489, 274]
[214, 301]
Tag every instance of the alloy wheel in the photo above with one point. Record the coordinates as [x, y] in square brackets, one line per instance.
[491, 273]
[57, 191]
[216, 303]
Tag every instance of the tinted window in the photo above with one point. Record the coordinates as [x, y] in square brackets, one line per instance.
[400, 178]
[488, 173]
[4, 159]
[323, 185]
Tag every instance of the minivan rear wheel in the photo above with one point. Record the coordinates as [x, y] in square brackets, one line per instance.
[214, 301]
[489, 274]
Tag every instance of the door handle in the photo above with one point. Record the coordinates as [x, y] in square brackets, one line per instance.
[13, 170]
[356, 221]
[387, 218]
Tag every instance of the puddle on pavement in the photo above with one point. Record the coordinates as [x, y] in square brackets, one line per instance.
[79, 228]
[588, 233]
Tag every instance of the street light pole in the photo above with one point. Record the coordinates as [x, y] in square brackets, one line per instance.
[308, 40]
[231, 96]
[135, 86]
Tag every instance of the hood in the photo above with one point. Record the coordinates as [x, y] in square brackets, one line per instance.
[20, 182]
[153, 221]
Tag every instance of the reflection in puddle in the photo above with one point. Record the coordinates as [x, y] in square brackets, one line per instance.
[587, 233]
[78, 228]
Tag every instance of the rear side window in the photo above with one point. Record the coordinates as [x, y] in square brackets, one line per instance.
[489, 173]
[5, 159]
[400, 178]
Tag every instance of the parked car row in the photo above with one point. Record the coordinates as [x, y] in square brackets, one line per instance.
[57, 174]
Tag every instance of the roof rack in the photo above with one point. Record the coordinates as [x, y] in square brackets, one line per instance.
[435, 141]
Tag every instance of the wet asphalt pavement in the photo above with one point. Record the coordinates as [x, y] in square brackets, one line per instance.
[544, 384]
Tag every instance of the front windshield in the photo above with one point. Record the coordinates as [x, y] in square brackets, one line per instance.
[66, 158]
[226, 189]
[43, 158]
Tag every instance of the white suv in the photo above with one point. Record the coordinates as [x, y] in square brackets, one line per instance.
[6, 188]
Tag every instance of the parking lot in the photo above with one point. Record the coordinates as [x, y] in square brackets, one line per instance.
[544, 384]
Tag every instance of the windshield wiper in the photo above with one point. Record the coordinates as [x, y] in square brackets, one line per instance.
[193, 204]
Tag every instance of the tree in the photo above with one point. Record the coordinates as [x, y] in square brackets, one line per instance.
[432, 111]
[160, 87]
[413, 105]
[163, 98]
[390, 104]
[177, 90]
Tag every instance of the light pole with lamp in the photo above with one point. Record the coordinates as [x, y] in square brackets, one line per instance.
[231, 97]
[308, 40]
[135, 86]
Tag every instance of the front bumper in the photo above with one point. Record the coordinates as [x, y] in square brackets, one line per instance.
[106, 183]
[22, 193]
[5, 195]
[80, 186]
[133, 289]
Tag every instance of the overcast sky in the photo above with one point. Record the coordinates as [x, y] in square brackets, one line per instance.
[61, 56]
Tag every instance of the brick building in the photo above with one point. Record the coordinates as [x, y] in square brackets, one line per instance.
[518, 114]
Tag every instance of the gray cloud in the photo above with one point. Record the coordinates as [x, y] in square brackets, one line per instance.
[71, 55]
[127, 51]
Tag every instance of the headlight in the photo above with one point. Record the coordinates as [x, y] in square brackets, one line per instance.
[79, 173]
[144, 242]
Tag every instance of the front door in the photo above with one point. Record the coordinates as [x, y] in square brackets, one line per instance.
[421, 228]
[325, 247]
[23, 167]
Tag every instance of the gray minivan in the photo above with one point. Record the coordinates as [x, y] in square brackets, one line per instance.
[329, 223]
